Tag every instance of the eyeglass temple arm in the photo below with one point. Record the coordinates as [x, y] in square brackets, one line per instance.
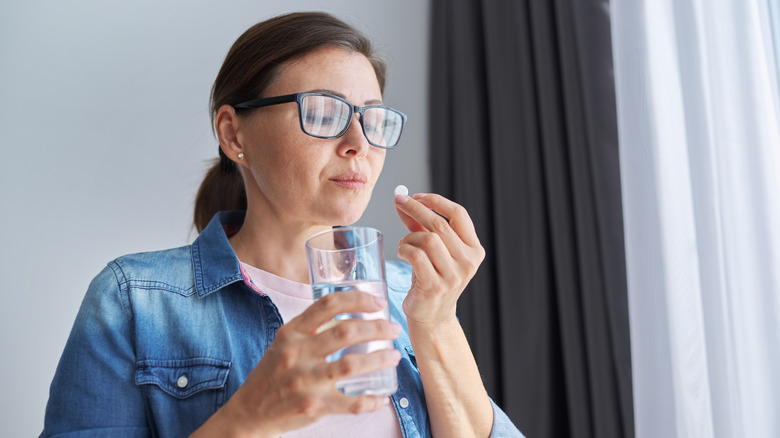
[267, 101]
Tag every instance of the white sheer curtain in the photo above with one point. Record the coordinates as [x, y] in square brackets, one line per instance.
[699, 143]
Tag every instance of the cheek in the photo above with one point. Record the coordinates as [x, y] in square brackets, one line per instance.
[277, 150]
[293, 171]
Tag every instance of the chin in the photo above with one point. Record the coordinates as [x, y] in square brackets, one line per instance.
[348, 216]
[341, 211]
[346, 222]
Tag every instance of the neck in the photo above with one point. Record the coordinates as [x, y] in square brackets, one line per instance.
[275, 246]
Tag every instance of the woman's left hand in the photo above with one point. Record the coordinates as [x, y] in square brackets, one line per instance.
[444, 255]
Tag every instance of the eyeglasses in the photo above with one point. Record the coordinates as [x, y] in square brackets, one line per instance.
[327, 116]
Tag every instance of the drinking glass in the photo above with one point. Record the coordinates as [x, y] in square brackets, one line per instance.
[345, 259]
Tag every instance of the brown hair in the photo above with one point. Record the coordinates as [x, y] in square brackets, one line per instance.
[250, 67]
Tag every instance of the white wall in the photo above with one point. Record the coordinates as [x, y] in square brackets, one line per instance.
[105, 137]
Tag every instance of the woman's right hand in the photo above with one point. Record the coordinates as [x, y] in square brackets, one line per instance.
[293, 385]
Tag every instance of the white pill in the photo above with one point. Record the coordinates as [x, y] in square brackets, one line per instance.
[401, 190]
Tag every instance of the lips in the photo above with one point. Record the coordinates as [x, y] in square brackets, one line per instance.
[350, 180]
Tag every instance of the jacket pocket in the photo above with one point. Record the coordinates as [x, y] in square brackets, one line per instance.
[182, 393]
[182, 378]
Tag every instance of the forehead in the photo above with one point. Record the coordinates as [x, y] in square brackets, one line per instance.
[330, 68]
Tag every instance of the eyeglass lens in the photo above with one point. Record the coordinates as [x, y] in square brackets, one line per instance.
[326, 116]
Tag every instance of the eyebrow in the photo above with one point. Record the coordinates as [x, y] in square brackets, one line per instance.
[336, 93]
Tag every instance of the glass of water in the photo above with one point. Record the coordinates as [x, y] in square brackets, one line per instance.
[346, 259]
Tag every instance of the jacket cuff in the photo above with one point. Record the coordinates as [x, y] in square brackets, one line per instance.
[502, 425]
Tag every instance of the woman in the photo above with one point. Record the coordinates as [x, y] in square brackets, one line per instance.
[220, 338]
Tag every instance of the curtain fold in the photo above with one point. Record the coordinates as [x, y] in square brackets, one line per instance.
[524, 135]
[697, 91]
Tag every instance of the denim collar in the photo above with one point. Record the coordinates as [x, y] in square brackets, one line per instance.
[213, 259]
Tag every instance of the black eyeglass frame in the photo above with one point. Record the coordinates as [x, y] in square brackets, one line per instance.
[298, 98]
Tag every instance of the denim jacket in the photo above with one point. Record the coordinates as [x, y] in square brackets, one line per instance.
[163, 339]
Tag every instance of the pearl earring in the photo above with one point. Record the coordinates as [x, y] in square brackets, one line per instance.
[240, 155]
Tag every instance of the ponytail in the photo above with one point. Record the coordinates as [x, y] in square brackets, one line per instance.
[221, 189]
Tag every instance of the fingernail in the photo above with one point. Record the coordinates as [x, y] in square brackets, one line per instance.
[401, 199]
[396, 328]
[418, 195]
[396, 356]
[386, 401]
[381, 302]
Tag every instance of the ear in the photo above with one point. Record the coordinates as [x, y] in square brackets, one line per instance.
[227, 124]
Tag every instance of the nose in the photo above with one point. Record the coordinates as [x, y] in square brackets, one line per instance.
[354, 142]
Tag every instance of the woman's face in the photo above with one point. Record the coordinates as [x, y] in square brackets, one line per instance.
[301, 178]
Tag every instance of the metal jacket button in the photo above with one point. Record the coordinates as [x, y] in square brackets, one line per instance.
[182, 382]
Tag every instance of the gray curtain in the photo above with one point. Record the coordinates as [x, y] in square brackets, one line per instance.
[524, 135]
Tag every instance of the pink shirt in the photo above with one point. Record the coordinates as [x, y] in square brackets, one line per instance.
[292, 298]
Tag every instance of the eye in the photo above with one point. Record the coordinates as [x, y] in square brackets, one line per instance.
[314, 118]
[371, 128]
